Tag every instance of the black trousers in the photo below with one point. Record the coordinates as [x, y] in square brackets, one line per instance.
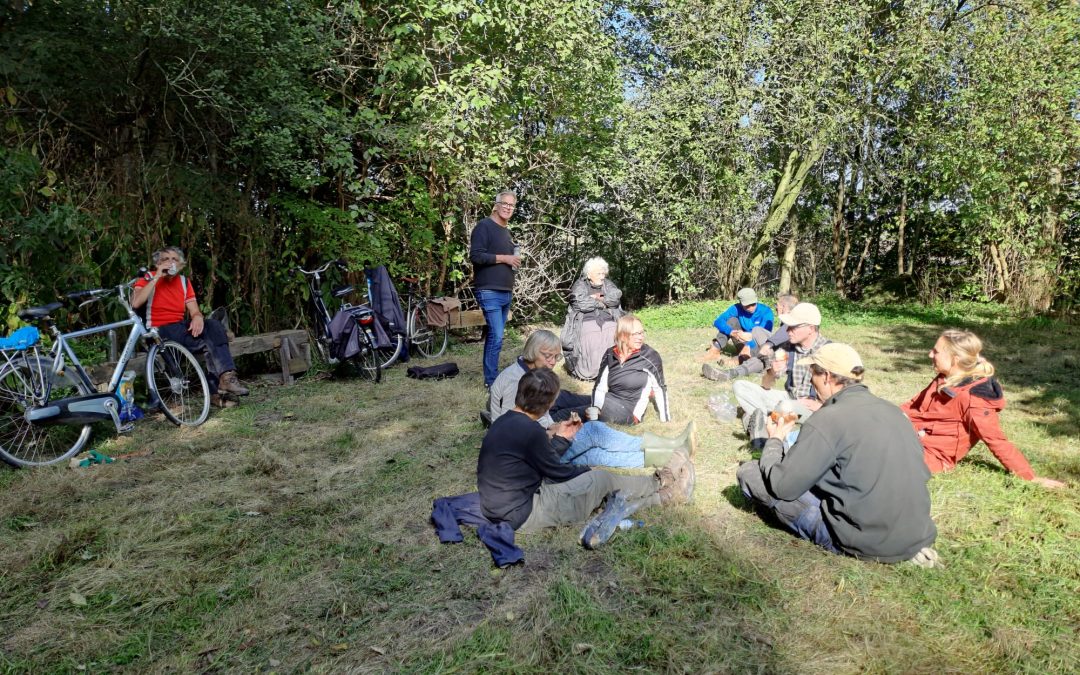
[213, 341]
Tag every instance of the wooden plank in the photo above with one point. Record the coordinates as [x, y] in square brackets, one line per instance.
[468, 318]
[299, 353]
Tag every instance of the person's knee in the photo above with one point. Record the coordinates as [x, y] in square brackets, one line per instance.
[749, 479]
[214, 331]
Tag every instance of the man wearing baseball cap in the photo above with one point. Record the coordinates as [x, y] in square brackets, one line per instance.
[854, 482]
[804, 339]
[747, 324]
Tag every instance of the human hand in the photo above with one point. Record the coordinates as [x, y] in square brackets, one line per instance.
[781, 426]
[566, 430]
[1048, 483]
[195, 326]
[811, 404]
[765, 351]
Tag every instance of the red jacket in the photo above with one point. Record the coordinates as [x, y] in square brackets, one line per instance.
[951, 420]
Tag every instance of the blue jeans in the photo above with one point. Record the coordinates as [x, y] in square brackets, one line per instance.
[496, 307]
[597, 444]
[802, 516]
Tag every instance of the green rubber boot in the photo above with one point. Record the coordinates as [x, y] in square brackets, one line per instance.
[659, 449]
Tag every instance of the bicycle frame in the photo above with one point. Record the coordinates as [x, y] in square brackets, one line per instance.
[62, 348]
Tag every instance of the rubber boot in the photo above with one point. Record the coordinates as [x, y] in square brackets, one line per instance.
[659, 449]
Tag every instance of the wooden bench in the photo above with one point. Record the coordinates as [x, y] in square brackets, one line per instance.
[292, 346]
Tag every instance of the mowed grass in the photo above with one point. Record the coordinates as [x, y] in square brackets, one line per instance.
[292, 534]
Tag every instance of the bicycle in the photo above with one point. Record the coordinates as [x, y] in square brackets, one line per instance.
[366, 360]
[429, 342]
[48, 403]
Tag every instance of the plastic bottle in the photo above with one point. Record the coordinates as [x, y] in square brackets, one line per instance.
[722, 409]
[628, 524]
[126, 393]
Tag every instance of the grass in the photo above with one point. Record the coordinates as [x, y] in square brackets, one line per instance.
[291, 534]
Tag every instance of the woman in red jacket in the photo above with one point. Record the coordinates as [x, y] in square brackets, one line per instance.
[960, 407]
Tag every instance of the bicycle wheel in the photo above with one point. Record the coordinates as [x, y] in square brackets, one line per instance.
[388, 356]
[367, 361]
[23, 386]
[430, 342]
[177, 382]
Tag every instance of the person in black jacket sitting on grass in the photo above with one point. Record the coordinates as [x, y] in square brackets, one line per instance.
[521, 480]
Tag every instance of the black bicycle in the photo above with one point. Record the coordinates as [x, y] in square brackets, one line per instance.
[366, 361]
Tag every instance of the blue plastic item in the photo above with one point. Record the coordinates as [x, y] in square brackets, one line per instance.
[23, 338]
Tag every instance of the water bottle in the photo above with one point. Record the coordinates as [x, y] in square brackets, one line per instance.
[126, 393]
[628, 524]
[722, 409]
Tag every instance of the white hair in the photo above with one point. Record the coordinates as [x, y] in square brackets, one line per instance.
[598, 264]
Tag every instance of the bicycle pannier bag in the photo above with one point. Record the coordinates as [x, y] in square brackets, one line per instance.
[443, 312]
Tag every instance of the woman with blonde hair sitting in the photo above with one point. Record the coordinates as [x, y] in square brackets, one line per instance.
[631, 374]
[960, 407]
[589, 328]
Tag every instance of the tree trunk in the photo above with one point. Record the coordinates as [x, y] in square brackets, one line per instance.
[787, 191]
[901, 223]
[1001, 270]
[788, 263]
[1042, 269]
[839, 257]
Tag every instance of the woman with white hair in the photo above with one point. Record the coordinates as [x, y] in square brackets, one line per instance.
[589, 329]
[542, 350]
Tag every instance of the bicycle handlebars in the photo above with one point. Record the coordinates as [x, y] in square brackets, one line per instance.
[340, 263]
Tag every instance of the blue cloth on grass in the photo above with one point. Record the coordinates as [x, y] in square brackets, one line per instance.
[447, 513]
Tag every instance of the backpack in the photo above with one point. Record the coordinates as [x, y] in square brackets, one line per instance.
[443, 371]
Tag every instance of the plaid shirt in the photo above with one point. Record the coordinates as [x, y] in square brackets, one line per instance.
[798, 380]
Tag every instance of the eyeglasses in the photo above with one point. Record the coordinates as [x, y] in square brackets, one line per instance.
[638, 333]
[507, 205]
[548, 356]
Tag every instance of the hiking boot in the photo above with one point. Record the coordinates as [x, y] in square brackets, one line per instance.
[485, 418]
[927, 558]
[754, 423]
[677, 480]
[598, 530]
[715, 373]
[230, 384]
[219, 401]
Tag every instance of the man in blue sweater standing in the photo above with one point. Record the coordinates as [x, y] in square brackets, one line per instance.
[494, 260]
[747, 324]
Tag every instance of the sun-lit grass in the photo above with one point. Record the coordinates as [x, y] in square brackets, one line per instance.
[291, 534]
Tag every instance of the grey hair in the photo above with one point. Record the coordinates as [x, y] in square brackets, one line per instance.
[169, 249]
[787, 300]
[504, 193]
[596, 263]
[540, 339]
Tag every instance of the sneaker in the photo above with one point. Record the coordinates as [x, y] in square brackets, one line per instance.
[598, 530]
[230, 384]
[715, 373]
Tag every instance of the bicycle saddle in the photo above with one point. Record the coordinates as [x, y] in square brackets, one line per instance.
[341, 291]
[35, 313]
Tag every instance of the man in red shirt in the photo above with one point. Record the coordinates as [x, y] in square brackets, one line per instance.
[168, 297]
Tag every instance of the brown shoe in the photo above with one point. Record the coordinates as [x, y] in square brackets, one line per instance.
[677, 479]
[230, 384]
[219, 401]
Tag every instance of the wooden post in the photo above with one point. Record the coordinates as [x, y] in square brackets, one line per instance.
[286, 358]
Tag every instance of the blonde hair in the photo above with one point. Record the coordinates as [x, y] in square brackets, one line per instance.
[626, 325]
[966, 348]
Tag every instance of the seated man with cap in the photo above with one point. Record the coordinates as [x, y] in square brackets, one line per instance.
[747, 324]
[854, 482]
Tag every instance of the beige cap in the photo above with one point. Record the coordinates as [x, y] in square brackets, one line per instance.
[804, 312]
[837, 358]
[746, 296]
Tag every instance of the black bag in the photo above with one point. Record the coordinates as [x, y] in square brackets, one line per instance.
[442, 371]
